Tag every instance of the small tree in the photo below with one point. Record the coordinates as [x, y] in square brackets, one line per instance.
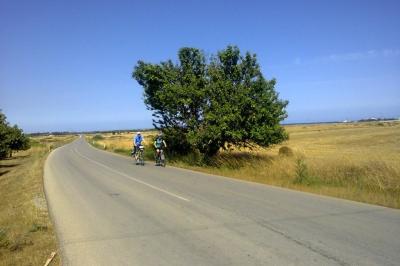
[4, 148]
[205, 105]
[17, 140]
[11, 138]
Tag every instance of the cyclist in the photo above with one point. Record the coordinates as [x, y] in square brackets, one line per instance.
[159, 145]
[137, 141]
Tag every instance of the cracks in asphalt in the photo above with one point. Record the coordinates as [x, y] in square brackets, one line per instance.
[267, 224]
[262, 223]
[301, 243]
[309, 217]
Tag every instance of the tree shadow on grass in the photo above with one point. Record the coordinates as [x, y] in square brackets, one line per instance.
[15, 156]
[5, 172]
[237, 160]
[8, 165]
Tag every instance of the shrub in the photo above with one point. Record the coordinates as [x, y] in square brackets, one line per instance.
[193, 158]
[35, 143]
[37, 227]
[149, 152]
[4, 242]
[285, 151]
[302, 174]
[98, 137]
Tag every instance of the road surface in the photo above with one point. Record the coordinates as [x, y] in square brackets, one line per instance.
[108, 211]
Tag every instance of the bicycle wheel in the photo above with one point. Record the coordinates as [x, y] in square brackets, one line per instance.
[162, 160]
[141, 157]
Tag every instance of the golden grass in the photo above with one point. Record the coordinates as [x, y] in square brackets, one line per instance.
[122, 143]
[27, 235]
[358, 161]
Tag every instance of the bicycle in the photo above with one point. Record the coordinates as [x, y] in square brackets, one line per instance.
[139, 157]
[160, 158]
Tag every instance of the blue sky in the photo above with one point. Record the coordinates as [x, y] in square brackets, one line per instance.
[66, 65]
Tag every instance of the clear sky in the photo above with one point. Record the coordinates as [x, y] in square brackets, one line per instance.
[66, 65]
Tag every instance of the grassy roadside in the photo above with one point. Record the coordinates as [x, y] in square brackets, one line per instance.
[27, 235]
[358, 161]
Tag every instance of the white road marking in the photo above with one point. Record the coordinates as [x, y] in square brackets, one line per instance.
[130, 177]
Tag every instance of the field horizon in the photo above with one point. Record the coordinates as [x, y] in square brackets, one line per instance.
[147, 129]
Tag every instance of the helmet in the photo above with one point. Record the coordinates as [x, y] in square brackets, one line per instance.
[138, 133]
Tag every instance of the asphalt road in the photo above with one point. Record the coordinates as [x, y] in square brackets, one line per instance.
[108, 211]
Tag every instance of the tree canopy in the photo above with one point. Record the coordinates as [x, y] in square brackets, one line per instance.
[208, 103]
[11, 138]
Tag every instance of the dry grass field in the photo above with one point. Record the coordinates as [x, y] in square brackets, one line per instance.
[357, 161]
[122, 140]
[121, 143]
[27, 235]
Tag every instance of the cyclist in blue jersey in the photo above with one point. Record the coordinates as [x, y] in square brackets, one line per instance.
[137, 141]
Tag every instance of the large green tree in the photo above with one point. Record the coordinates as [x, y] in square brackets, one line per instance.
[209, 104]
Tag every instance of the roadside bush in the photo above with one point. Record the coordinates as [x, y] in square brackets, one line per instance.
[285, 151]
[4, 242]
[193, 158]
[302, 174]
[97, 137]
[35, 143]
[4, 150]
[177, 142]
[37, 227]
[149, 152]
